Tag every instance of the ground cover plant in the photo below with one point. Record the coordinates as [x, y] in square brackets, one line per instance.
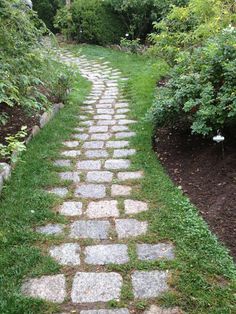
[30, 80]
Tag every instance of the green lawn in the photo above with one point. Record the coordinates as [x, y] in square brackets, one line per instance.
[204, 275]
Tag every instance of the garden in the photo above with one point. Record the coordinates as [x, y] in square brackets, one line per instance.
[118, 111]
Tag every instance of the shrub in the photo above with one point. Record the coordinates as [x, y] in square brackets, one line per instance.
[46, 10]
[190, 26]
[90, 21]
[138, 15]
[200, 93]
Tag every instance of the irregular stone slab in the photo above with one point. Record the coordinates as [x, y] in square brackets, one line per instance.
[96, 287]
[121, 105]
[123, 176]
[120, 116]
[105, 111]
[87, 123]
[130, 228]
[71, 144]
[135, 207]
[83, 117]
[96, 154]
[119, 128]
[82, 137]
[152, 252]
[120, 190]
[117, 164]
[119, 153]
[51, 229]
[91, 191]
[123, 110]
[99, 176]
[48, 288]
[62, 163]
[124, 134]
[117, 144]
[126, 121]
[100, 136]
[60, 192]
[102, 209]
[79, 129]
[117, 311]
[102, 117]
[71, 153]
[106, 122]
[98, 129]
[158, 310]
[70, 176]
[106, 254]
[104, 106]
[71, 209]
[90, 230]
[148, 285]
[66, 254]
[89, 165]
[93, 145]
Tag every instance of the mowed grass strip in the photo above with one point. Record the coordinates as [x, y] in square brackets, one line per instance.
[25, 205]
[204, 275]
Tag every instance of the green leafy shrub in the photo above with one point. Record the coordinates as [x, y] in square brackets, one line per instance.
[133, 46]
[139, 15]
[190, 26]
[200, 93]
[20, 61]
[46, 10]
[14, 145]
[90, 21]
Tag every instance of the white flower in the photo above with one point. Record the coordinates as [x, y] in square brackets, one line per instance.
[218, 138]
[126, 35]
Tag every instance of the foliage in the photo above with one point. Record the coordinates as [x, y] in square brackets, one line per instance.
[201, 90]
[105, 22]
[90, 21]
[20, 64]
[46, 10]
[14, 145]
[138, 15]
[29, 78]
[189, 26]
[133, 46]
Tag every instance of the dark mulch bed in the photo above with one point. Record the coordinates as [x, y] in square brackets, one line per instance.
[207, 179]
[17, 117]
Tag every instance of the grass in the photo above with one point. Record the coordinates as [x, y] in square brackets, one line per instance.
[204, 274]
[25, 205]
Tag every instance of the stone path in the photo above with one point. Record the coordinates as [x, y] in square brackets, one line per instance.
[100, 208]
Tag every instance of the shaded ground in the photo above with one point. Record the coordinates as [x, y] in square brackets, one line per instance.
[16, 118]
[208, 179]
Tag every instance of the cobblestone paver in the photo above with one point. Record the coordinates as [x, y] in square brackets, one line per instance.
[102, 216]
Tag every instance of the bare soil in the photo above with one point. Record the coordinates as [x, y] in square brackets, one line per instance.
[206, 176]
[17, 117]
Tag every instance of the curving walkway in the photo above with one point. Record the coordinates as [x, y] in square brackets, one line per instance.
[100, 209]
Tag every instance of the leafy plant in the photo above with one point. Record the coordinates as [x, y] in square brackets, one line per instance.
[14, 145]
[188, 27]
[133, 46]
[200, 93]
[90, 21]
